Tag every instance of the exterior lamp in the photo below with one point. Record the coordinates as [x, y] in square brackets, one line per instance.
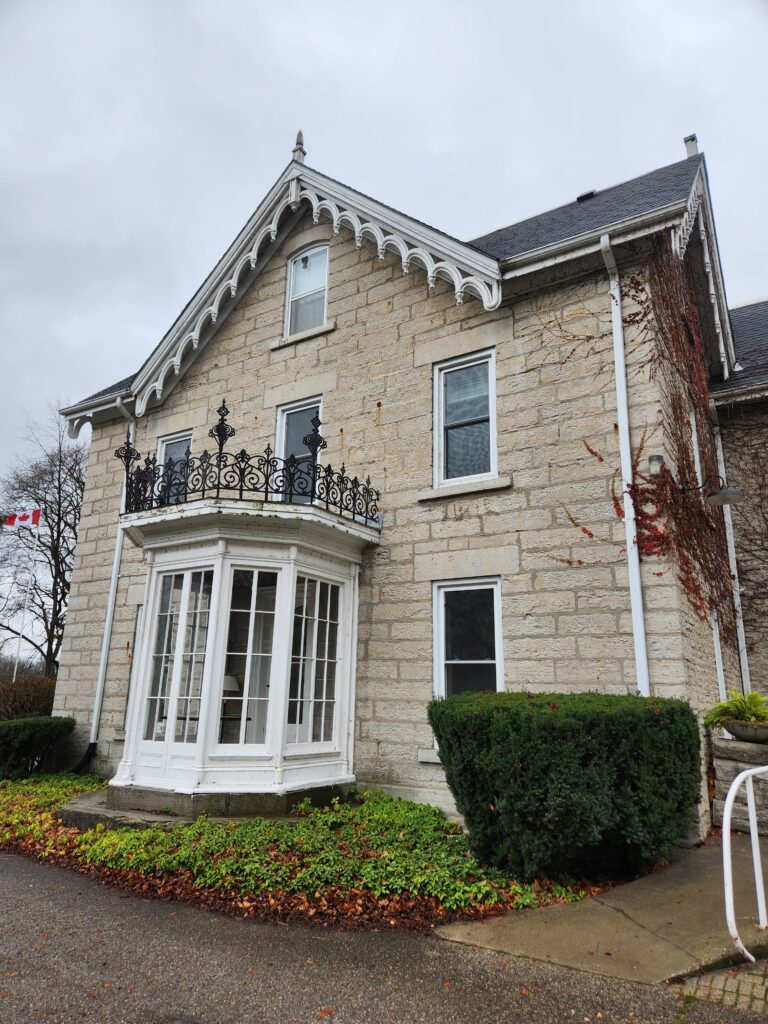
[724, 495]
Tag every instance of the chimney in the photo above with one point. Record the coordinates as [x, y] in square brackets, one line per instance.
[691, 145]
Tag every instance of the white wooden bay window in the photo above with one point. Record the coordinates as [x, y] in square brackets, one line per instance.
[245, 675]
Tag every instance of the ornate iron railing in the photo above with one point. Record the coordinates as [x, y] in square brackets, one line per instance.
[264, 477]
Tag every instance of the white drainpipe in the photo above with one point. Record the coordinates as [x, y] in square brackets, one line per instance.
[625, 450]
[108, 618]
[746, 682]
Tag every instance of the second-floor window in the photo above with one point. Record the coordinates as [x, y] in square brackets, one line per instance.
[465, 419]
[171, 456]
[294, 423]
[307, 290]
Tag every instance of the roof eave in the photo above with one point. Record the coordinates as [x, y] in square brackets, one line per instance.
[576, 246]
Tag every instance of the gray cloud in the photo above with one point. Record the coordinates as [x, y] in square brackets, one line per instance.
[138, 137]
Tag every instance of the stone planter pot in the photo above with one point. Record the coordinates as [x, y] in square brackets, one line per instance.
[747, 732]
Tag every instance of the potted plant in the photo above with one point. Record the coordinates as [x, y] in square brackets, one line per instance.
[745, 716]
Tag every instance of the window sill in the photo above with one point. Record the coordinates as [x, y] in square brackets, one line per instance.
[428, 755]
[313, 332]
[499, 483]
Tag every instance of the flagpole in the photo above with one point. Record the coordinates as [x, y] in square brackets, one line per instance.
[26, 598]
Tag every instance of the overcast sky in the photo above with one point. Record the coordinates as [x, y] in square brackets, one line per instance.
[137, 136]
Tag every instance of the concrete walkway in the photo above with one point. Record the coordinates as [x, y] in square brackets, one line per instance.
[667, 925]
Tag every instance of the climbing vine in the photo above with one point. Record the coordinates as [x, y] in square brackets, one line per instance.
[672, 518]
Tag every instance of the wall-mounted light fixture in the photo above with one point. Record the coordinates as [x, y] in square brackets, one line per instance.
[722, 494]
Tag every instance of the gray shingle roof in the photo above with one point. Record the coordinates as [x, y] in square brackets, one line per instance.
[609, 206]
[750, 341]
[113, 389]
[649, 192]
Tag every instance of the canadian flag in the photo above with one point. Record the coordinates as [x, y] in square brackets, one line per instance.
[24, 518]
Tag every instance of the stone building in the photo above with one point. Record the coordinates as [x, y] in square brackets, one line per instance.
[249, 618]
[742, 408]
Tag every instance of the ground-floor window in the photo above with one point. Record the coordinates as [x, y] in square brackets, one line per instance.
[178, 659]
[251, 662]
[467, 636]
[312, 693]
[248, 664]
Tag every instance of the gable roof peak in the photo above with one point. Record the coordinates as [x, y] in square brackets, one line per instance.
[298, 152]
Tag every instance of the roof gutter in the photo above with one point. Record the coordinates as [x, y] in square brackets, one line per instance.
[590, 242]
[625, 450]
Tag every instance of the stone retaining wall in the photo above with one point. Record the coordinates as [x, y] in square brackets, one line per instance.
[730, 758]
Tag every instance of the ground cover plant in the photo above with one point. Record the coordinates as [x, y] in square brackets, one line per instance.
[592, 784]
[378, 861]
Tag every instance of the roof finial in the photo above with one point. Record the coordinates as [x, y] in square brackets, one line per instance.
[298, 150]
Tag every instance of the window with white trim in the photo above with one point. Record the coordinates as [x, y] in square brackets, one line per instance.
[178, 657]
[307, 290]
[294, 423]
[172, 452]
[467, 637]
[314, 657]
[248, 660]
[465, 419]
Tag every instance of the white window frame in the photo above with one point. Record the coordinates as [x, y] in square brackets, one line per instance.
[438, 427]
[439, 589]
[162, 444]
[284, 410]
[287, 333]
[168, 439]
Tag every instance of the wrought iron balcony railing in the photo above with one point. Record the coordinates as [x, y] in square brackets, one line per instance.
[264, 477]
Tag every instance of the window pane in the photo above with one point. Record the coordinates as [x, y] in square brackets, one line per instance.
[166, 631]
[193, 657]
[307, 312]
[467, 450]
[245, 696]
[462, 678]
[469, 625]
[173, 481]
[310, 272]
[312, 690]
[176, 450]
[297, 425]
[466, 393]
[267, 590]
[242, 584]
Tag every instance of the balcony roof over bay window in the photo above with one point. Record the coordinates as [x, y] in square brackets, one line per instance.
[218, 490]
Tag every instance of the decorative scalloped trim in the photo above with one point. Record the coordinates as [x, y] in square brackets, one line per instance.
[682, 234]
[488, 290]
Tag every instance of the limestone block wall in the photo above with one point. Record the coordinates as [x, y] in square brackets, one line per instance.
[552, 534]
[745, 444]
[730, 757]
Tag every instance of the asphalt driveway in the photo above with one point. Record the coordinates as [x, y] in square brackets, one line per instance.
[72, 950]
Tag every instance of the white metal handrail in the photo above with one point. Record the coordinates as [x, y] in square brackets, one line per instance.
[743, 778]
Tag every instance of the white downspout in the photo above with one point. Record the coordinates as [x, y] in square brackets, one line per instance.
[625, 451]
[746, 682]
[110, 613]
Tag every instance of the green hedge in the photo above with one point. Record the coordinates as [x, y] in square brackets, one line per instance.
[28, 697]
[569, 783]
[24, 743]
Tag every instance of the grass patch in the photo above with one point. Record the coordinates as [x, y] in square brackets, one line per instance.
[380, 861]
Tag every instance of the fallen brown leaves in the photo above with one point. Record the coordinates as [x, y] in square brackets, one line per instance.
[334, 908]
